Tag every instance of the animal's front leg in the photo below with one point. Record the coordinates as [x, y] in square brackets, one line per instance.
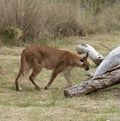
[53, 75]
[68, 77]
[59, 68]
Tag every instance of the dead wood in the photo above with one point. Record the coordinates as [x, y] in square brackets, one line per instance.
[90, 85]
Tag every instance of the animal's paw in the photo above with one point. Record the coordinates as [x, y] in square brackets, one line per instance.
[46, 88]
[37, 88]
[18, 88]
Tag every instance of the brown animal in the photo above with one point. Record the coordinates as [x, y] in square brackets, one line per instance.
[39, 57]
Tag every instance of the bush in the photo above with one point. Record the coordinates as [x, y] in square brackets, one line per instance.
[42, 19]
[46, 19]
[12, 34]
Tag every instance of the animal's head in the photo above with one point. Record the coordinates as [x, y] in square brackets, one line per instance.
[85, 61]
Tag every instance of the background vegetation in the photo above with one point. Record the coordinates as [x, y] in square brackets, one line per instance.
[51, 19]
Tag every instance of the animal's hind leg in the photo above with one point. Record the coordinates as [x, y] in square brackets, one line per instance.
[36, 70]
[23, 71]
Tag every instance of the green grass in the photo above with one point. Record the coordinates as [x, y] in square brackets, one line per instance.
[51, 105]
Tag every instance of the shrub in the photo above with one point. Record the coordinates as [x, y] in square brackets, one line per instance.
[46, 19]
[12, 34]
[42, 19]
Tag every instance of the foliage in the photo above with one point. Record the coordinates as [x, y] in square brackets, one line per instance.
[12, 34]
[52, 19]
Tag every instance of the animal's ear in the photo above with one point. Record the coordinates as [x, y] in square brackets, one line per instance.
[85, 57]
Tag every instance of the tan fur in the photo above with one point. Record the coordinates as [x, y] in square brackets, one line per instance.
[38, 57]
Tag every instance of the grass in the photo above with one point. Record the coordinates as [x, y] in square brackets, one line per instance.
[51, 105]
[37, 20]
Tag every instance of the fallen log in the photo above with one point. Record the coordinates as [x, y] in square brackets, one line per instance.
[110, 61]
[96, 57]
[93, 84]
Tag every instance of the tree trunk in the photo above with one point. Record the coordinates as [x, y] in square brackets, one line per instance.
[90, 85]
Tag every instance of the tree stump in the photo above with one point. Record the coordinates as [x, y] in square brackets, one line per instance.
[90, 85]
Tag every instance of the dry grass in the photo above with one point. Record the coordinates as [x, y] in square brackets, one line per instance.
[51, 105]
[42, 20]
